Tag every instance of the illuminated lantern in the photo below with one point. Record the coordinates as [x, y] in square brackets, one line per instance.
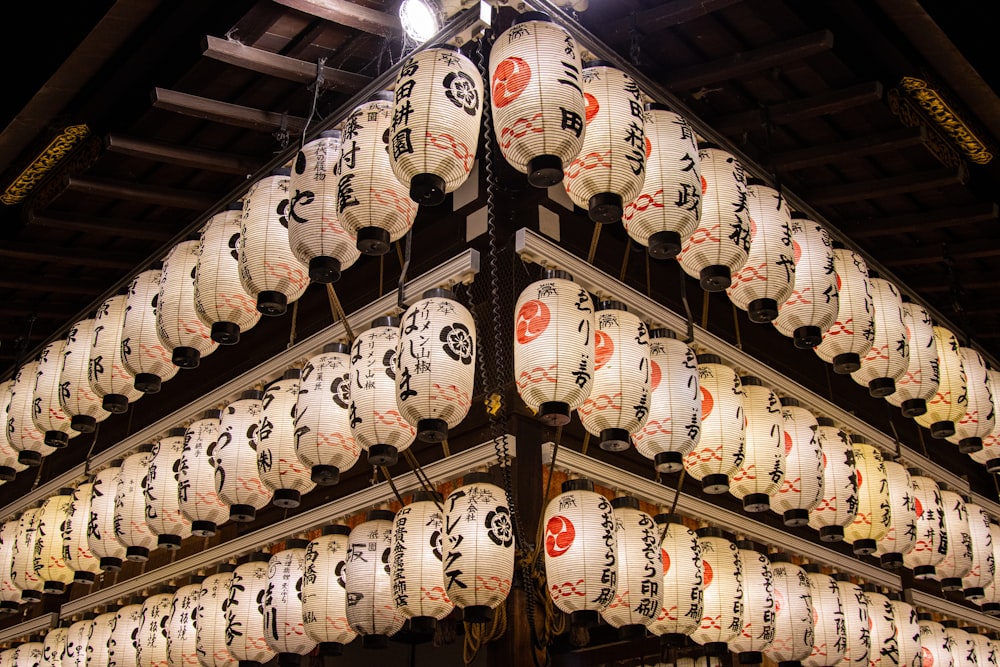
[934, 643]
[29, 654]
[812, 307]
[618, 404]
[957, 561]
[106, 371]
[850, 337]
[758, 606]
[76, 546]
[219, 296]
[902, 534]
[375, 420]
[683, 581]
[883, 647]
[838, 506]
[554, 347]
[985, 651]
[793, 613]
[268, 268]
[667, 208]
[979, 418]
[536, 97]
[122, 648]
[889, 356]
[130, 507]
[372, 205]
[50, 563]
[9, 465]
[983, 566]
[7, 657]
[163, 510]
[22, 568]
[80, 403]
[722, 610]
[151, 639]
[213, 603]
[638, 599]
[77, 639]
[718, 247]
[990, 602]
[196, 495]
[989, 455]
[314, 233]
[237, 478]
[283, 628]
[479, 547]
[143, 354]
[280, 469]
[437, 364]
[871, 523]
[719, 453]
[22, 434]
[182, 333]
[371, 610]
[963, 650]
[182, 644]
[245, 613]
[919, 383]
[802, 489]
[54, 646]
[48, 414]
[415, 563]
[101, 627]
[829, 633]
[948, 405]
[324, 598]
[10, 595]
[907, 632]
[857, 625]
[763, 468]
[674, 424]
[101, 527]
[929, 548]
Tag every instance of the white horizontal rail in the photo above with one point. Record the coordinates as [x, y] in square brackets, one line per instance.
[932, 603]
[30, 627]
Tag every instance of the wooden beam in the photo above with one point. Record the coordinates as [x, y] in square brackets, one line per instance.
[196, 158]
[916, 222]
[790, 112]
[146, 194]
[224, 112]
[660, 18]
[883, 187]
[937, 283]
[853, 148]
[62, 286]
[89, 257]
[934, 254]
[748, 62]
[274, 64]
[42, 311]
[349, 14]
[86, 224]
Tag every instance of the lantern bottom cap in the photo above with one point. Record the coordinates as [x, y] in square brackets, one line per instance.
[226, 333]
[115, 403]
[951, 584]
[762, 311]
[111, 563]
[807, 337]
[148, 383]
[545, 171]
[924, 571]
[913, 407]
[632, 631]
[203, 528]
[891, 561]
[137, 554]
[382, 455]
[790, 663]
[846, 363]
[477, 613]
[56, 439]
[169, 542]
[428, 189]
[942, 430]
[241, 513]
[993, 465]
[672, 639]
[422, 625]
[81, 577]
[756, 502]
[83, 423]
[331, 648]
[185, 357]
[881, 387]
[717, 649]
[287, 498]
[864, 547]
[831, 534]
[8, 605]
[7, 474]
[30, 459]
[715, 484]
[615, 440]
[272, 303]
[324, 475]
[58, 587]
[965, 445]
[974, 593]
[432, 430]
[324, 269]
[554, 413]
[249, 663]
[669, 461]
[289, 660]
[31, 596]
[715, 278]
[795, 518]
[605, 207]
[664, 245]
[372, 641]
[750, 657]
[991, 608]
[584, 618]
[373, 241]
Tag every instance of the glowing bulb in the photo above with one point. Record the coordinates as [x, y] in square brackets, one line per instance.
[419, 19]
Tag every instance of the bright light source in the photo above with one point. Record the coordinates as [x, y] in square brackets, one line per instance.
[420, 19]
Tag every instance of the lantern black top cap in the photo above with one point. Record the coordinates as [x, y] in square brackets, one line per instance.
[176, 432]
[663, 332]
[709, 359]
[214, 413]
[708, 144]
[532, 16]
[751, 380]
[444, 45]
[756, 181]
[342, 348]
[597, 63]
[799, 215]
[439, 293]
[825, 421]
[385, 321]
[625, 501]
[383, 96]
[65, 491]
[423, 496]
[292, 374]
[235, 206]
[329, 134]
[710, 531]
[858, 438]
[336, 529]
[117, 463]
[915, 472]
[790, 402]
[748, 545]
[144, 448]
[296, 543]
[379, 515]
[259, 557]
[282, 171]
[477, 478]
[577, 485]
[556, 273]
[657, 106]
[668, 518]
[252, 395]
[611, 304]
[780, 557]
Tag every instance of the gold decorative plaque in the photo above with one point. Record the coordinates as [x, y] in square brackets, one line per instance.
[941, 113]
[57, 149]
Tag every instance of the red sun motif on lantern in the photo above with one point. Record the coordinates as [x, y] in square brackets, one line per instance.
[857, 478]
[707, 403]
[704, 185]
[604, 347]
[666, 560]
[510, 79]
[753, 228]
[655, 375]
[796, 250]
[649, 148]
[838, 282]
[779, 601]
[707, 573]
[532, 321]
[593, 106]
[788, 443]
[928, 656]
[918, 506]
[559, 536]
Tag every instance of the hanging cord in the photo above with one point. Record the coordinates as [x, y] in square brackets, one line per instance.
[593, 243]
[478, 635]
[90, 452]
[316, 85]
[338, 312]
[673, 503]
[295, 319]
[422, 477]
[704, 309]
[628, 250]
[689, 338]
[392, 485]
[895, 433]
[736, 325]
[405, 265]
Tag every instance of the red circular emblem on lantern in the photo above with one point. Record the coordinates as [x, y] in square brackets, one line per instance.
[655, 375]
[559, 536]
[918, 506]
[532, 321]
[857, 477]
[796, 250]
[666, 560]
[704, 185]
[649, 148]
[707, 576]
[707, 402]
[928, 656]
[604, 347]
[788, 443]
[592, 106]
[753, 228]
[509, 80]
[778, 601]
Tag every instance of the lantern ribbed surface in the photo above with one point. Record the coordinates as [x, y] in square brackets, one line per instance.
[54, 647]
[315, 234]
[182, 645]
[416, 569]
[618, 404]
[184, 335]
[758, 608]
[50, 563]
[907, 634]
[76, 545]
[884, 648]
[963, 650]
[536, 98]
[372, 205]
[929, 547]
[22, 434]
[151, 639]
[683, 579]
[29, 654]
[989, 455]
[163, 511]
[872, 521]
[237, 479]
[554, 341]
[638, 598]
[850, 337]
[101, 528]
[279, 468]
[10, 594]
[919, 383]
[767, 279]
[323, 439]
[437, 365]
[812, 307]
[719, 452]
[983, 565]
[985, 652]
[196, 495]
[9, 465]
[990, 602]
[802, 489]
[793, 614]
[722, 611]
[829, 633]
[122, 647]
[283, 629]
[902, 534]
[934, 644]
[22, 568]
[107, 374]
[101, 629]
[667, 209]
[980, 416]
[7, 657]
[77, 399]
[957, 561]
[245, 613]
[143, 354]
[269, 270]
[889, 356]
[763, 469]
[220, 299]
[324, 597]
[130, 508]
[371, 609]
[719, 246]
[857, 625]
[947, 407]
[838, 506]
[610, 169]
[478, 549]
[48, 415]
[77, 638]
[210, 635]
[437, 109]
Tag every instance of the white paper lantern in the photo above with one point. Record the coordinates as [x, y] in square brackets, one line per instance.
[163, 511]
[857, 625]
[838, 506]
[638, 597]
[9, 465]
[75, 654]
[793, 613]
[929, 548]
[54, 646]
[948, 405]
[722, 610]
[536, 97]
[919, 383]
[372, 205]
[958, 558]
[213, 604]
[683, 581]
[554, 347]
[101, 527]
[907, 632]
[415, 563]
[122, 648]
[889, 356]
[763, 469]
[812, 307]
[77, 399]
[989, 455]
[371, 610]
[871, 523]
[50, 562]
[479, 547]
[668, 206]
[673, 428]
[48, 415]
[850, 337]
[984, 648]
[983, 565]
[829, 632]
[220, 300]
[279, 468]
[197, 498]
[130, 507]
[237, 479]
[182, 644]
[283, 629]
[963, 650]
[934, 643]
[22, 434]
[106, 371]
[719, 452]
[802, 489]
[97, 649]
[719, 246]
[990, 603]
[980, 416]
[22, 568]
[902, 534]
[76, 545]
[10, 594]
[143, 354]
[7, 657]
[324, 597]
[757, 631]
[29, 654]
[315, 234]
[151, 638]
[244, 631]
[884, 649]
[184, 335]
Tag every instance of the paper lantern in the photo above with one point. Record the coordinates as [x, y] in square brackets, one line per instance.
[871, 523]
[196, 495]
[536, 97]
[757, 629]
[122, 648]
[674, 424]
[983, 565]
[22, 434]
[101, 628]
[372, 205]
[7, 657]
[79, 402]
[722, 610]
[29, 654]
[802, 488]
[415, 563]
[763, 469]
[948, 405]
[990, 602]
[857, 625]
[283, 629]
[237, 478]
[269, 270]
[984, 649]
[554, 347]
[76, 544]
[907, 632]
[143, 354]
[130, 507]
[101, 527]
[220, 299]
[76, 642]
[668, 206]
[934, 643]
[375, 420]
[371, 609]
[638, 599]
[106, 371]
[719, 452]
[49, 560]
[963, 650]
[849, 339]
[930, 545]
[54, 646]
[182, 644]
[902, 534]
[213, 604]
[958, 553]
[838, 506]
[151, 638]
[279, 468]
[989, 455]
[22, 567]
[812, 307]
[479, 547]
[919, 383]
[163, 512]
[889, 356]
[244, 611]
[979, 418]
[884, 649]
[48, 415]
[182, 333]
[719, 246]
[324, 597]
[10, 594]
[793, 613]
[683, 581]
[9, 465]
[829, 633]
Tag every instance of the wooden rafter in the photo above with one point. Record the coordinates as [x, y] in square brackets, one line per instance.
[853, 148]
[665, 16]
[810, 107]
[183, 156]
[349, 14]
[92, 258]
[916, 222]
[224, 112]
[935, 254]
[76, 222]
[883, 187]
[147, 194]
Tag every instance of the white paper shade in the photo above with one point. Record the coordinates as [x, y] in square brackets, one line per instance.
[324, 596]
[719, 452]
[163, 512]
[181, 331]
[838, 506]
[279, 468]
[143, 354]
[763, 468]
[371, 609]
[237, 478]
[919, 383]
[196, 495]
